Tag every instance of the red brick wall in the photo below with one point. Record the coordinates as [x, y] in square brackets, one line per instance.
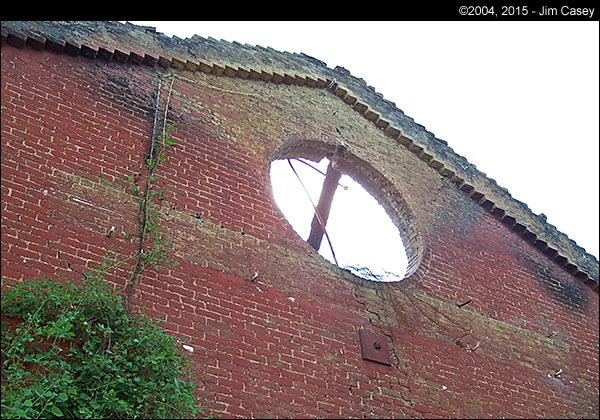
[274, 327]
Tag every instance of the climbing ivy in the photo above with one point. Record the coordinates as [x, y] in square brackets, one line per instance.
[152, 242]
[78, 350]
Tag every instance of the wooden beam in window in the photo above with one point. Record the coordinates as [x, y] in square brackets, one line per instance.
[332, 178]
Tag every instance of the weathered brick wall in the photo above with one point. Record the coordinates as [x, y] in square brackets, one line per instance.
[275, 327]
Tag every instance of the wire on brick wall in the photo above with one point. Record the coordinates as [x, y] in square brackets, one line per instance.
[164, 128]
[155, 116]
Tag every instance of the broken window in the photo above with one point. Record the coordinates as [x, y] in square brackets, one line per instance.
[339, 218]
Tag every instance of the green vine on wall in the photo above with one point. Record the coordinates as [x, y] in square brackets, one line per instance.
[79, 351]
[155, 252]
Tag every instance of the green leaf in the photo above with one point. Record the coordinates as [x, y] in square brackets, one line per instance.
[38, 390]
[62, 397]
[20, 414]
[56, 411]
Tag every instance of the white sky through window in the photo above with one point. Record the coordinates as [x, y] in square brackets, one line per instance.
[363, 237]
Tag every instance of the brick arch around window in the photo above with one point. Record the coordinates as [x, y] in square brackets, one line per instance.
[374, 182]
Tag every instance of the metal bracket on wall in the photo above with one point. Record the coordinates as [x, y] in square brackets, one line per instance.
[374, 347]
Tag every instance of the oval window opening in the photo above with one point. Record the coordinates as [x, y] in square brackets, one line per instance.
[359, 236]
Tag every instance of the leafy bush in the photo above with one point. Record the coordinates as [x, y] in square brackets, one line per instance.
[77, 352]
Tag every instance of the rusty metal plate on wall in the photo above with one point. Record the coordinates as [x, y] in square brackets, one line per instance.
[374, 347]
